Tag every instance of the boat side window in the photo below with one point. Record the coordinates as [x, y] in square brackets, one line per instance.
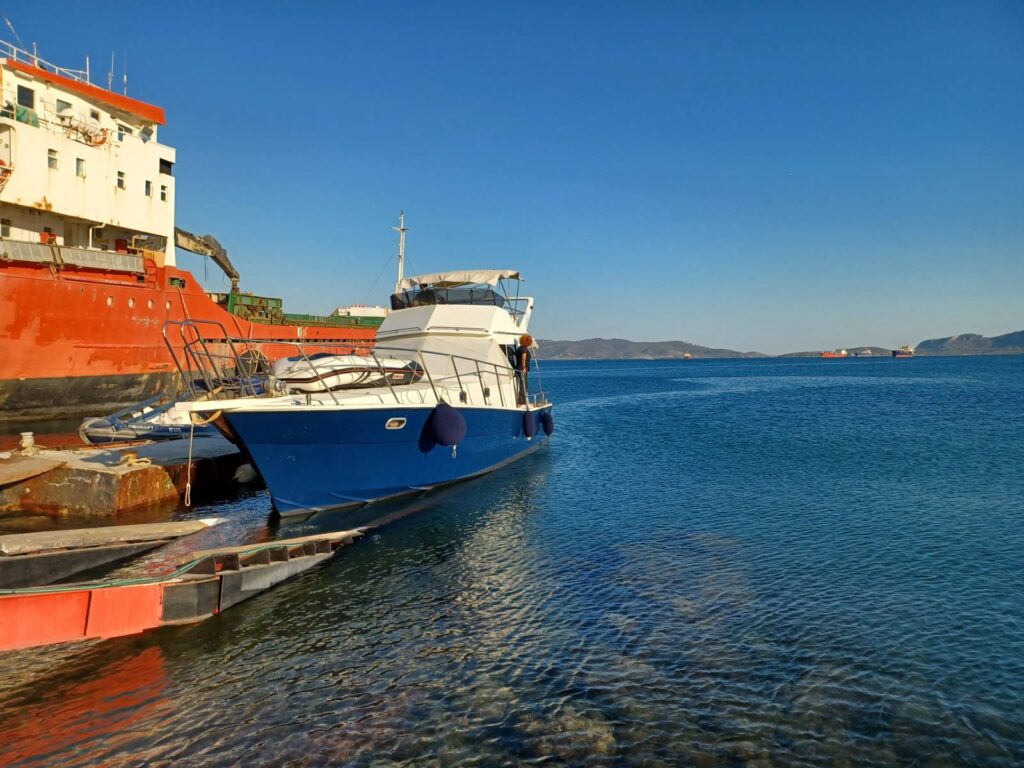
[63, 106]
[163, 193]
[166, 167]
[120, 180]
[26, 97]
[5, 227]
[176, 282]
[94, 115]
[122, 130]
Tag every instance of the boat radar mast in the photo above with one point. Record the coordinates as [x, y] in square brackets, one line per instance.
[401, 230]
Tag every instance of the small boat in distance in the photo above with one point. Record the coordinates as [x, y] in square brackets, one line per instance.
[836, 353]
[905, 351]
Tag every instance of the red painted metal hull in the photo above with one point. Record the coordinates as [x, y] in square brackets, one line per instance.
[211, 583]
[79, 341]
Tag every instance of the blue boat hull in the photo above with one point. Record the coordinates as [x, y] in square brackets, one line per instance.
[315, 460]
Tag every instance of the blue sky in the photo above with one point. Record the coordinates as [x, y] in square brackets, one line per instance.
[771, 176]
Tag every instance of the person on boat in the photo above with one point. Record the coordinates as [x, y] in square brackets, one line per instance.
[523, 357]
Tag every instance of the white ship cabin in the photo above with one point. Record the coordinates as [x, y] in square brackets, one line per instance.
[80, 165]
[477, 313]
[360, 310]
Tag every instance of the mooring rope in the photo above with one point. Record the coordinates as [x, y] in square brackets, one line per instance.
[188, 472]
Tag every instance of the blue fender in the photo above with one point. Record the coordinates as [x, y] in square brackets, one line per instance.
[447, 425]
[547, 421]
[529, 424]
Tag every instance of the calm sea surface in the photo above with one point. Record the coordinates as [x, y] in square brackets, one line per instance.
[755, 562]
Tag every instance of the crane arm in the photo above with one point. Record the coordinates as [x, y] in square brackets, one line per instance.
[207, 245]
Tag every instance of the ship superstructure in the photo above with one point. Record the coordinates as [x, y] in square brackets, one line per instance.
[87, 238]
[81, 167]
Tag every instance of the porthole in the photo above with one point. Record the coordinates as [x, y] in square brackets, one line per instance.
[110, 301]
[167, 306]
[131, 302]
[396, 423]
[149, 303]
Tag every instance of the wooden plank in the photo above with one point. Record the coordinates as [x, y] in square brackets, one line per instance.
[18, 468]
[46, 541]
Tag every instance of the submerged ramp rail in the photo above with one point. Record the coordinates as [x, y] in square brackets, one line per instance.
[210, 581]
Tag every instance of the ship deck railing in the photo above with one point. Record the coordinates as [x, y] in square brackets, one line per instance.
[214, 365]
[10, 51]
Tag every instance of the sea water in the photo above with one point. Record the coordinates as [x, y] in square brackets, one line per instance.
[763, 562]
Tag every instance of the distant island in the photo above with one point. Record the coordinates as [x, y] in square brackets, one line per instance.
[973, 344]
[624, 349]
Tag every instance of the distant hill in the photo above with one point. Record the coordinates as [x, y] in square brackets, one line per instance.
[623, 349]
[974, 344]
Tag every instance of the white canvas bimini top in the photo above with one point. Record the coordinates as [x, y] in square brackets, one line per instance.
[455, 279]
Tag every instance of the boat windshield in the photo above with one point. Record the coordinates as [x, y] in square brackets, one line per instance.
[430, 295]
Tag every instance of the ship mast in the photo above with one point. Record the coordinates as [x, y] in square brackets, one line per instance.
[401, 230]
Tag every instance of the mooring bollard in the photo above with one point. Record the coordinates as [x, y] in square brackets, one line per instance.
[28, 444]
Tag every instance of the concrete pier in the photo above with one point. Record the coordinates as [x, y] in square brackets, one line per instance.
[106, 482]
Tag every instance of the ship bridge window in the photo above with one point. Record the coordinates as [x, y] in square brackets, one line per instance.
[166, 167]
[122, 130]
[26, 97]
[63, 106]
[94, 115]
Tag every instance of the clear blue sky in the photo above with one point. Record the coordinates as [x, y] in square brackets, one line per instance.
[772, 176]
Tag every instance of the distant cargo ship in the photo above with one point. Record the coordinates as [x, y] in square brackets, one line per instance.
[87, 262]
[836, 353]
[905, 351]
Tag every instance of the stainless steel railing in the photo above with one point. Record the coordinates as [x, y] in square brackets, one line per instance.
[216, 365]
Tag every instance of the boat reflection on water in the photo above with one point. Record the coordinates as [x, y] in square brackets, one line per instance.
[112, 694]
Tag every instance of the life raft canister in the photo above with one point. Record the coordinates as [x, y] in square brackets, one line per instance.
[547, 421]
[447, 425]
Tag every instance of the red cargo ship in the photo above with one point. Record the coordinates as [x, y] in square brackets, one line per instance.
[87, 238]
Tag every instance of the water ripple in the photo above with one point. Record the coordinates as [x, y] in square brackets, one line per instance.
[714, 564]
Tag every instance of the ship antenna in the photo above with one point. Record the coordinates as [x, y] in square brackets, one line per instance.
[14, 32]
[401, 230]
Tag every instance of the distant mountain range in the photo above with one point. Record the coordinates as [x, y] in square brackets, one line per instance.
[624, 349]
[973, 344]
